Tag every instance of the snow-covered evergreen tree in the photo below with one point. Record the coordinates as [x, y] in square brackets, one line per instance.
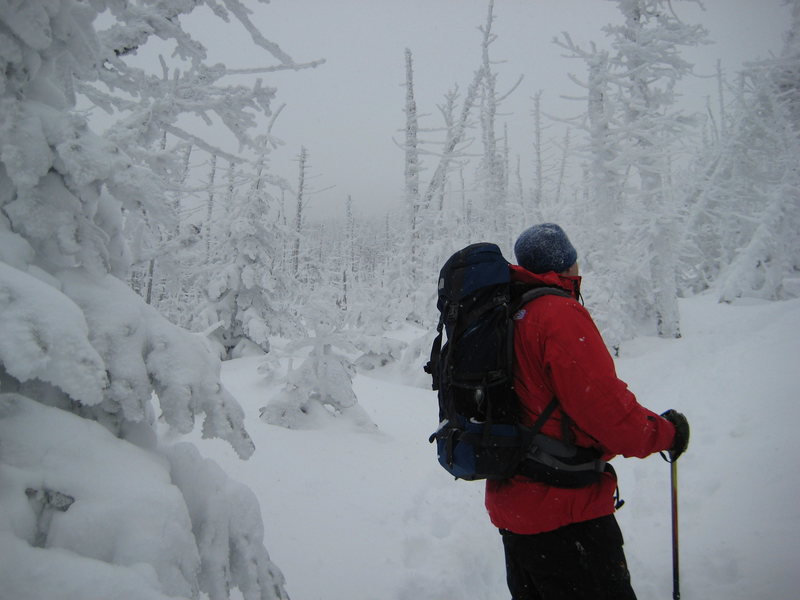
[246, 295]
[603, 219]
[633, 129]
[321, 388]
[149, 108]
[78, 342]
[647, 53]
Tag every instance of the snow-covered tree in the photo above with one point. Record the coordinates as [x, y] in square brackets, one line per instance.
[184, 101]
[442, 225]
[321, 388]
[425, 203]
[301, 199]
[78, 342]
[452, 155]
[245, 291]
[744, 209]
[147, 105]
[603, 218]
[646, 53]
[412, 169]
[492, 173]
[633, 130]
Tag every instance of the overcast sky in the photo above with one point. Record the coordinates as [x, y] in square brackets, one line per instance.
[347, 111]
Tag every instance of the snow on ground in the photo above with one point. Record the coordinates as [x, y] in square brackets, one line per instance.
[351, 515]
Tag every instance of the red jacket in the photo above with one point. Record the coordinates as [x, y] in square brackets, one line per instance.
[559, 352]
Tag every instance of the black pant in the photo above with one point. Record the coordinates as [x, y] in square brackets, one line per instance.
[581, 561]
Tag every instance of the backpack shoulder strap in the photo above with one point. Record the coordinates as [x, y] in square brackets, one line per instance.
[524, 298]
[538, 292]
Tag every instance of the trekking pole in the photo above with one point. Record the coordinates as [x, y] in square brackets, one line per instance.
[676, 580]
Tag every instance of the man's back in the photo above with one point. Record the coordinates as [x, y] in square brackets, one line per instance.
[559, 353]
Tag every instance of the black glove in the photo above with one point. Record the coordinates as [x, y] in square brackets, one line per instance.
[681, 441]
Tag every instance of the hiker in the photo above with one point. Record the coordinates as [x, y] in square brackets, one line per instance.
[564, 543]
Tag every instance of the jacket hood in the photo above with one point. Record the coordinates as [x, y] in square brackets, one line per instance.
[571, 284]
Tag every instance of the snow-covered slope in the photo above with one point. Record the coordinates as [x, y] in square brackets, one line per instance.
[351, 515]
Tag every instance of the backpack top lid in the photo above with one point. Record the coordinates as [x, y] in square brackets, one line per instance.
[474, 267]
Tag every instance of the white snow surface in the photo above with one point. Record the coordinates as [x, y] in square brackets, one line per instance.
[355, 515]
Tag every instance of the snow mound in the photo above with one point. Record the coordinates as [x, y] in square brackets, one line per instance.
[123, 509]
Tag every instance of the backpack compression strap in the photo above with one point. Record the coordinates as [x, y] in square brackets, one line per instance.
[432, 368]
[529, 434]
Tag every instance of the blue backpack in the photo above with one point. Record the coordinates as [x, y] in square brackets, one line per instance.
[479, 436]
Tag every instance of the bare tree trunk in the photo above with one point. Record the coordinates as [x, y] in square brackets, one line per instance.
[343, 304]
[152, 264]
[465, 203]
[538, 188]
[150, 268]
[563, 169]
[506, 159]
[298, 220]
[231, 185]
[492, 175]
[351, 234]
[662, 266]
[412, 168]
[187, 153]
[448, 113]
[605, 179]
[723, 127]
[284, 221]
[518, 212]
[210, 206]
[454, 138]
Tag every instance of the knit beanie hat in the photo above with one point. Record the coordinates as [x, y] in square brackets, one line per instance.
[544, 248]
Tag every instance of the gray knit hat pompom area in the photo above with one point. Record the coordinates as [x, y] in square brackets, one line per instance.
[544, 248]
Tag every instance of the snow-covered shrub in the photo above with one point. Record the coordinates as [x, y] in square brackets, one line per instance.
[320, 389]
[377, 351]
[415, 357]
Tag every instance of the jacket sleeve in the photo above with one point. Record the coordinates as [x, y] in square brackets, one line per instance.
[582, 374]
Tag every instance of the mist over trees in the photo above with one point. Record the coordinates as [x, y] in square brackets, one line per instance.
[660, 211]
[646, 194]
[134, 258]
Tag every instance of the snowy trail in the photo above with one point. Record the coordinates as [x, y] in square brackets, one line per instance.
[735, 376]
[370, 516]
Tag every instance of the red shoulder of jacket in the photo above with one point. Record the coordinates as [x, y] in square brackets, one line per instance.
[550, 279]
